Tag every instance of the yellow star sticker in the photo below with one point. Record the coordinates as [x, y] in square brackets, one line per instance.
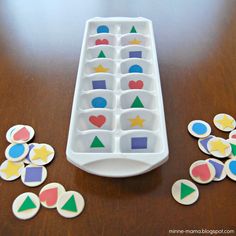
[218, 145]
[41, 153]
[135, 41]
[12, 169]
[100, 68]
[137, 121]
[226, 122]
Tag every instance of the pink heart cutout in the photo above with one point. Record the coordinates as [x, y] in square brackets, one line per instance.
[202, 172]
[21, 134]
[136, 84]
[97, 120]
[49, 196]
[101, 41]
[233, 136]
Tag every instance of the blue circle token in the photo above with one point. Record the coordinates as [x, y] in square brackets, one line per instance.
[99, 102]
[199, 128]
[135, 69]
[102, 29]
[16, 151]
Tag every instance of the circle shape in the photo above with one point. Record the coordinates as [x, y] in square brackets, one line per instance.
[202, 144]
[202, 172]
[230, 168]
[9, 132]
[26, 206]
[219, 168]
[199, 128]
[102, 29]
[70, 204]
[50, 194]
[135, 69]
[224, 122]
[185, 192]
[16, 151]
[22, 134]
[11, 170]
[99, 102]
[232, 134]
[219, 147]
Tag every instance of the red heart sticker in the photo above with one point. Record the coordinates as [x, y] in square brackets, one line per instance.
[21, 134]
[97, 120]
[202, 172]
[101, 41]
[233, 136]
[49, 196]
[136, 84]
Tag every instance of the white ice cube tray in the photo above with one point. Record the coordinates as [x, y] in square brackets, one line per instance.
[115, 83]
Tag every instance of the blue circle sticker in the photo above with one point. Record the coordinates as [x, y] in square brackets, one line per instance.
[16, 151]
[99, 102]
[135, 69]
[199, 128]
[102, 29]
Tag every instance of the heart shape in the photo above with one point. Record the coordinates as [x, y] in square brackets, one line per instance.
[233, 136]
[97, 120]
[136, 84]
[49, 196]
[21, 134]
[202, 172]
[232, 167]
[101, 41]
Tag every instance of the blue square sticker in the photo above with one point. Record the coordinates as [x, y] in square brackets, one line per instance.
[139, 143]
[99, 84]
[135, 54]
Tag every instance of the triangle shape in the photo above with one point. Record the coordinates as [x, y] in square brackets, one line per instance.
[185, 190]
[70, 205]
[133, 30]
[137, 103]
[27, 204]
[101, 54]
[233, 146]
[96, 143]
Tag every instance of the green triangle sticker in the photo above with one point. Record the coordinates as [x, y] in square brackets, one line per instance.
[101, 54]
[133, 30]
[70, 205]
[233, 146]
[137, 103]
[96, 143]
[185, 190]
[27, 204]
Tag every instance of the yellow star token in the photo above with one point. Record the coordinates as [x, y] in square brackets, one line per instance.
[11, 170]
[41, 154]
[219, 147]
[224, 122]
[135, 41]
[137, 121]
[101, 69]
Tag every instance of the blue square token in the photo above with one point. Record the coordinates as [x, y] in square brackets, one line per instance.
[99, 84]
[139, 143]
[135, 54]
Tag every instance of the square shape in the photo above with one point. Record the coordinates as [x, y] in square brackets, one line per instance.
[135, 54]
[139, 143]
[99, 84]
[33, 174]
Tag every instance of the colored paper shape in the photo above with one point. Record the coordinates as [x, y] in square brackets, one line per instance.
[137, 121]
[12, 169]
[135, 84]
[137, 103]
[232, 167]
[135, 54]
[201, 171]
[233, 136]
[199, 128]
[70, 205]
[101, 69]
[99, 102]
[33, 174]
[218, 168]
[139, 143]
[102, 29]
[96, 143]
[99, 84]
[16, 150]
[27, 204]
[135, 69]
[101, 54]
[135, 41]
[97, 120]
[49, 196]
[101, 41]
[21, 134]
[205, 141]
[133, 30]
[226, 122]
[219, 146]
[31, 146]
[233, 147]
[41, 153]
[185, 190]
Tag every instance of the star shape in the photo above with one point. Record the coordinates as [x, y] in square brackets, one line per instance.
[218, 145]
[137, 121]
[41, 153]
[135, 41]
[100, 68]
[226, 122]
[12, 169]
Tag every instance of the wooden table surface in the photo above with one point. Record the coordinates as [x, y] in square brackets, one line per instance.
[40, 44]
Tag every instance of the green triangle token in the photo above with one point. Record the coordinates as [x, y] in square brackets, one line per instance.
[137, 103]
[185, 190]
[96, 143]
[70, 205]
[233, 146]
[133, 30]
[27, 204]
[101, 54]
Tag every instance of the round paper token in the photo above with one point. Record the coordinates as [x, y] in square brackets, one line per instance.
[185, 192]
[22, 134]
[230, 168]
[232, 143]
[11, 170]
[202, 172]
[50, 194]
[219, 147]
[26, 206]
[224, 122]
[70, 204]
[16, 151]
[27, 159]
[232, 134]
[199, 128]
[9, 132]
[33, 175]
[219, 168]
[202, 144]
[41, 154]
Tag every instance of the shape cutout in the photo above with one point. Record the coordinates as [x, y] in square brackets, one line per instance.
[96, 143]
[135, 54]
[135, 69]
[101, 54]
[99, 84]
[70, 205]
[33, 174]
[137, 103]
[27, 204]
[139, 143]
[185, 190]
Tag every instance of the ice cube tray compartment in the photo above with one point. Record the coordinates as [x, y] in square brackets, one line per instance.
[117, 126]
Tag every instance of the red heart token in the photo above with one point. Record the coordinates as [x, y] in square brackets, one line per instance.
[21, 134]
[202, 172]
[97, 120]
[136, 84]
[101, 41]
[49, 196]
